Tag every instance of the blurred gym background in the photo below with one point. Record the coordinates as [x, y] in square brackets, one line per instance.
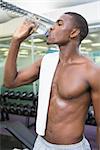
[20, 104]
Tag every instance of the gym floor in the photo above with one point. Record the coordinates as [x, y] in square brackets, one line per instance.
[9, 142]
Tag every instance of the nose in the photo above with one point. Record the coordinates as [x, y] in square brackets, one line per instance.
[52, 27]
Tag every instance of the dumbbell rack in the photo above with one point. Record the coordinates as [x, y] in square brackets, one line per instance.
[90, 116]
[22, 104]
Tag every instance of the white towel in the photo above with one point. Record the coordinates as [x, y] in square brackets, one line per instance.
[48, 67]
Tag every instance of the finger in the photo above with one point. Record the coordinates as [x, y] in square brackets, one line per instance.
[32, 29]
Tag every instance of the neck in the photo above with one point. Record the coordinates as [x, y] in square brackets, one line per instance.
[68, 53]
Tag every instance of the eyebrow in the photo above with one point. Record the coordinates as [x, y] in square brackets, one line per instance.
[59, 20]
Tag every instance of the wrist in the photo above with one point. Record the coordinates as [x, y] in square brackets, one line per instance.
[16, 40]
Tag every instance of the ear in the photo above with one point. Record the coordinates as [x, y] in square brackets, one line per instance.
[75, 32]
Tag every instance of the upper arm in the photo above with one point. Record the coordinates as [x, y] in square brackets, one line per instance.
[95, 93]
[27, 75]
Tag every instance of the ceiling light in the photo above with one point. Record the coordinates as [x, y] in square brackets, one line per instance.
[42, 47]
[87, 41]
[84, 52]
[5, 53]
[83, 48]
[93, 35]
[95, 44]
[22, 56]
[26, 45]
[3, 49]
[23, 52]
[89, 49]
[38, 40]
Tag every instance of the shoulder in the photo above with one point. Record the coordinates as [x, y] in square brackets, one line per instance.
[93, 68]
[93, 72]
[89, 63]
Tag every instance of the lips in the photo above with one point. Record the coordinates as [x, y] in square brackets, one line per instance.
[49, 35]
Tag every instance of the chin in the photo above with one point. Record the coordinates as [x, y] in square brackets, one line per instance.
[49, 42]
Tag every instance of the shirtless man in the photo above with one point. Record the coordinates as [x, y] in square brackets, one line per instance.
[75, 84]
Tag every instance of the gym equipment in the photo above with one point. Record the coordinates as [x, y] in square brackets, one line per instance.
[19, 103]
[21, 132]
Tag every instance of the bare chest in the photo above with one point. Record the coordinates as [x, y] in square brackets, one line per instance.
[69, 82]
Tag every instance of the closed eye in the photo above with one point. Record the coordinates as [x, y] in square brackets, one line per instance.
[59, 22]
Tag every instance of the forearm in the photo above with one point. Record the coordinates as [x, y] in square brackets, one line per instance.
[10, 71]
[98, 137]
[12, 78]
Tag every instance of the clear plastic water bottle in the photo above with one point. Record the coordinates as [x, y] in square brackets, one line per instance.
[40, 27]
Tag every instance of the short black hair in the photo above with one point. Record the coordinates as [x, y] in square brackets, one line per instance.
[81, 23]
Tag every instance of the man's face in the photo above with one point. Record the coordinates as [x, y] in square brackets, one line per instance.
[60, 32]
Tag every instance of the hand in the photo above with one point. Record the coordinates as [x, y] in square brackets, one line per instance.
[25, 29]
